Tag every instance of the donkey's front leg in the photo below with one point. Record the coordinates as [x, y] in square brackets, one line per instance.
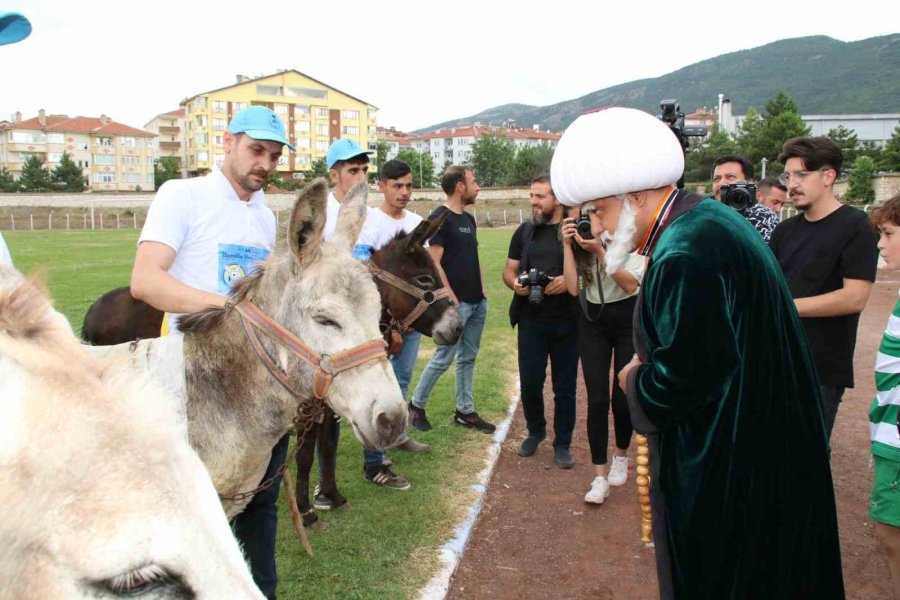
[328, 440]
[304, 458]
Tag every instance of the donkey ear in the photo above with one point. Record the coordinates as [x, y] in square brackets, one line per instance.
[424, 230]
[352, 215]
[307, 221]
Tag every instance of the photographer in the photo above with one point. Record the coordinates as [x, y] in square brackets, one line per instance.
[734, 172]
[546, 320]
[604, 336]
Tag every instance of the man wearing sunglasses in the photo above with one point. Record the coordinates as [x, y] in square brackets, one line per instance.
[829, 258]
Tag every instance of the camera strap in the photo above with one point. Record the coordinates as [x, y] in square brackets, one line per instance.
[582, 297]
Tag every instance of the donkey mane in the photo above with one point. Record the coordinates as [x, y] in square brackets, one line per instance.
[208, 319]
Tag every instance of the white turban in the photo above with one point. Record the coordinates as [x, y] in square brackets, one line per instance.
[614, 151]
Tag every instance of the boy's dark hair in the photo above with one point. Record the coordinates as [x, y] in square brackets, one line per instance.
[768, 183]
[889, 212]
[815, 152]
[362, 159]
[746, 165]
[394, 169]
[453, 175]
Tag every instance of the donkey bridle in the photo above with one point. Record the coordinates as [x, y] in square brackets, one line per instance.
[326, 365]
[426, 297]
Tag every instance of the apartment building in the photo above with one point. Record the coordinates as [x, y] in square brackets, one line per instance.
[169, 140]
[395, 140]
[113, 156]
[314, 114]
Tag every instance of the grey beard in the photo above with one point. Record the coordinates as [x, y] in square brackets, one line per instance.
[539, 218]
[623, 239]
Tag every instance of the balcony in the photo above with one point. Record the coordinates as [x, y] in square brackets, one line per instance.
[169, 130]
[170, 145]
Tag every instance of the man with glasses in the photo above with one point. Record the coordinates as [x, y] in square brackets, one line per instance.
[829, 258]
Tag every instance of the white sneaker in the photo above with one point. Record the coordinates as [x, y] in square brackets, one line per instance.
[618, 472]
[598, 492]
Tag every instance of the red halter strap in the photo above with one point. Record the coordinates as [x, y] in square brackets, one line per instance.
[426, 297]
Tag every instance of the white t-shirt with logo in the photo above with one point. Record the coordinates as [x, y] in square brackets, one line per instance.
[380, 228]
[5, 258]
[217, 237]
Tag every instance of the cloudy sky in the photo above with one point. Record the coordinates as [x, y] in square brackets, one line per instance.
[419, 62]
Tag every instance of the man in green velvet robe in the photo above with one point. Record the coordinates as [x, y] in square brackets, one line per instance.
[722, 382]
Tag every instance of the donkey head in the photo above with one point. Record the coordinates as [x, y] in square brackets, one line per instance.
[328, 300]
[118, 504]
[406, 257]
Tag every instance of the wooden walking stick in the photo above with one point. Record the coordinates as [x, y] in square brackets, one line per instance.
[287, 480]
[643, 483]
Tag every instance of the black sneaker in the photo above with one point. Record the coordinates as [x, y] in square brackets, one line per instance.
[321, 501]
[382, 475]
[563, 458]
[418, 419]
[473, 421]
[529, 445]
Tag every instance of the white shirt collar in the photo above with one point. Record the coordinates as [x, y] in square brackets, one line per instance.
[257, 198]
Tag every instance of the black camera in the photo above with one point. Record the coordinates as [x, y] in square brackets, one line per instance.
[739, 195]
[536, 280]
[583, 226]
[671, 115]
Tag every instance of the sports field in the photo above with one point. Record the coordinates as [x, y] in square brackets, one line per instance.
[386, 545]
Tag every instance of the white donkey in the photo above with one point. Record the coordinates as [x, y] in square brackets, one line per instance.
[102, 495]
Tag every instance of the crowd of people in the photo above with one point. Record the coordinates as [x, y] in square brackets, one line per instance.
[724, 335]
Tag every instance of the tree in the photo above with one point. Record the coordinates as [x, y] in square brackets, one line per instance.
[890, 157]
[492, 159]
[860, 179]
[7, 181]
[847, 140]
[702, 157]
[762, 136]
[317, 169]
[35, 177]
[780, 104]
[528, 163]
[422, 166]
[381, 154]
[67, 176]
[167, 167]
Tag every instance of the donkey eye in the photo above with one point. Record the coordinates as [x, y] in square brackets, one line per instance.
[424, 280]
[326, 322]
[139, 582]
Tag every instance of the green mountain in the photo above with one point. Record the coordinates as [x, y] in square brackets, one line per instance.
[821, 74]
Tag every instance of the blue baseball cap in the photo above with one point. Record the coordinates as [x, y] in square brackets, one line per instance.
[343, 149]
[260, 123]
[13, 28]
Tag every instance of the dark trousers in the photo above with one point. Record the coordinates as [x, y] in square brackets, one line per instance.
[831, 401]
[604, 341]
[255, 528]
[556, 341]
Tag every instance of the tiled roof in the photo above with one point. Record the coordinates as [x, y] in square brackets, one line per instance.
[78, 125]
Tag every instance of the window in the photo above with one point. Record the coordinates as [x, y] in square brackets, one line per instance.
[201, 138]
[56, 138]
[321, 129]
[104, 159]
[128, 142]
[202, 156]
[219, 106]
[27, 137]
[54, 157]
[81, 145]
[350, 115]
[303, 159]
[239, 106]
[302, 142]
[131, 160]
[321, 113]
[149, 160]
[301, 126]
[201, 120]
[201, 102]
[148, 143]
[350, 130]
[104, 141]
[268, 90]
[150, 178]
[306, 93]
[281, 109]
[301, 111]
[219, 124]
[218, 140]
[321, 145]
[218, 158]
[372, 131]
[130, 178]
[283, 159]
[104, 177]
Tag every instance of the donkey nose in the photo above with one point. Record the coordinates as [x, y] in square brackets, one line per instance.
[391, 425]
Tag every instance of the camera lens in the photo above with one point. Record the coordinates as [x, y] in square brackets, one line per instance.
[584, 229]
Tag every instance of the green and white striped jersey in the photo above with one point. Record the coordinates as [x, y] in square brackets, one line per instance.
[886, 405]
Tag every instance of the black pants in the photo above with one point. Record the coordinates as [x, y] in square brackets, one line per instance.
[831, 401]
[537, 342]
[606, 340]
[255, 528]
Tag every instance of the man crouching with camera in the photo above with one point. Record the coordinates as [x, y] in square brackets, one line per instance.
[546, 319]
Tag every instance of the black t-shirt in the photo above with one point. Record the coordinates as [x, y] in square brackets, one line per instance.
[545, 253]
[460, 259]
[816, 256]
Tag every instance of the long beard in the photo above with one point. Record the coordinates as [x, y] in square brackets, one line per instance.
[541, 218]
[623, 239]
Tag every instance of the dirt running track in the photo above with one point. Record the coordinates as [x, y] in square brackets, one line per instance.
[536, 538]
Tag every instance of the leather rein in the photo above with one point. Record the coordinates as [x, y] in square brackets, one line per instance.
[426, 297]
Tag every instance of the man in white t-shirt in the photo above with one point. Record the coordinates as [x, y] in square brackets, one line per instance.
[5, 258]
[200, 236]
[348, 164]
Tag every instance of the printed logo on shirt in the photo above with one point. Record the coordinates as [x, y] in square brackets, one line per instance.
[362, 252]
[236, 261]
[465, 229]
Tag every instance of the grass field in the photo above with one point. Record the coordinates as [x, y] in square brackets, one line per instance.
[385, 546]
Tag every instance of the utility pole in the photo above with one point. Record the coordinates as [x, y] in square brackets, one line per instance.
[764, 161]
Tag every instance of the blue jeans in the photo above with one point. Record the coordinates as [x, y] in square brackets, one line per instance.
[403, 365]
[255, 528]
[473, 315]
